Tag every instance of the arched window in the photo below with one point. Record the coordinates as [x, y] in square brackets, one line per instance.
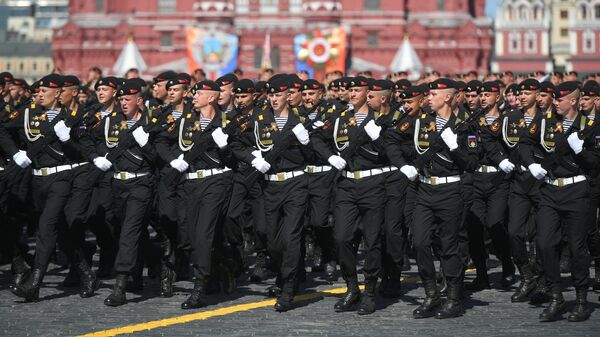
[537, 13]
[589, 41]
[514, 43]
[508, 12]
[597, 12]
[583, 11]
[523, 13]
[531, 42]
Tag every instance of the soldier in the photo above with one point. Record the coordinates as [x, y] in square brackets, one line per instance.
[566, 142]
[444, 157]
[159, 91]
[544, 99]
[129, 152]
[226, 83]
[472, 96]
[295, 97]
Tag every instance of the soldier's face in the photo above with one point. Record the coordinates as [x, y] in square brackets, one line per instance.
[67, 95]
[460, 97]
[176, 93]
[334, 93]
[564, 104]
[310, 98]
[587, 103]
[344, 94]
[160, 90]
[226, 94]
[15, 91]
[203, 98]
[48, 96]
[437, 98]
[243, 100]
[295, 97]
[413, 104]
[358, 96]
[105, 94]
[130, 104]
[375, 100]
[544, 100]
[397, 95]
[527, 98]
[82, 98]
[278, 100]
[488, 99]
[472, 99]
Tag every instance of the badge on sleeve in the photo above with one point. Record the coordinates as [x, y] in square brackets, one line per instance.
[532, 129]
[472, 141]
[404, 126]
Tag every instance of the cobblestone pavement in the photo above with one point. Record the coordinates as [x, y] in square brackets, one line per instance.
[61, 312]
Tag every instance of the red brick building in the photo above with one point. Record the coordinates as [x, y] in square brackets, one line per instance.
[449, 36]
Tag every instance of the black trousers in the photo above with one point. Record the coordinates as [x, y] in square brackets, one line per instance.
[564, 206]
[438, 209]
[394, 225]
[50, 194]
[523, 206]
[169, 216]
[132, 199]
[236, 208]
[320, 194]
[285, 206]
[362, 199]
[489, 208]
[76, 209]
[204, 200]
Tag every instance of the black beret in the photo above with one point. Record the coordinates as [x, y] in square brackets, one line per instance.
[379, 85]
[278, 84]
[140, 81]
[512, 88]
[529, 84]
[207, 85]
[51, 81]
[260, 86]
[566, 88]
[107, 81]
[165, 76]
[343, 82]
[182, 78]
[490, 86]
[460, 85]
[20, 82]
[244, 86]
[70, 81]
[129, 87]
[295, 81]
[424, 88]
[473, 86]
[547, 87]
[6, 77]
[412, 91]
[402, 84]
[358, 81]
[590, 88]
[311, 84]
[35, 87]
[442, 83]
[226, 79]
[333, 84]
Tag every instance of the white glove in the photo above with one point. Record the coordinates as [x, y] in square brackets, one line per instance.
[220, 138]
[537, 171]
[373, 130]
[338, 162]
[257, 153]
[102, 163]
[21, 159]
[450, 138]
[410, 172]
[141, 136]
[318, 124]
[261, 165]
[62, 131]
[301, 134]
[179, 164]
[575, 143]
[506, 166]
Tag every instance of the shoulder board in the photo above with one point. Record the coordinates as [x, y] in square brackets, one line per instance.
[396, 115]
[590, 122]
[302, 119]
[7, 107]
[114, 114]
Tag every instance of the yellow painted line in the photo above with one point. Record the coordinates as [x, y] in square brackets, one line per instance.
[199, 316]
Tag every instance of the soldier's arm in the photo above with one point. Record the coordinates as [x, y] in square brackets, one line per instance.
[242, 144]
[6, 143]
[393, 148]
[163, 146]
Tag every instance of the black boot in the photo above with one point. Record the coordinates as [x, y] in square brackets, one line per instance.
[366, 306]
[284, 302]
[541, 294]
[556, 308]
[117, 297]
[582, 311]
[393, 286]
[198, 297]
[350, 299]
[331, 271]
[260, 268]
[480, 283]
[89, 282]
[21, 270]
[431, 303]
[72, 279]
[30, 289]
[453, 306]
[508, 274]
[167, 277]
[527, 285]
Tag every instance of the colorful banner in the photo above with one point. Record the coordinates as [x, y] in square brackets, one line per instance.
[321, 52]
[214, 51]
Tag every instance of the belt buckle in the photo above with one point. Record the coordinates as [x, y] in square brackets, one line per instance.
[433, 181]
[44, 171]
[310, 169]
[561, 182]
[281, 176]
[123, 175]
[200, 174]
[356, 175]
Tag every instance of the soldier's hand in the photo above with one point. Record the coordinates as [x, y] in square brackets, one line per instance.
[261, 165]
[220, 138]
[537, 171]
[257, 153]
[102, 163]
[63, 132]
[301, 133]
[506, 166]
[141, 136]
[317, 125]
[575, 143]
[373, 130]
[338, 162]
[410, 172]
[22, 159]
[450, 138]
[179, 164]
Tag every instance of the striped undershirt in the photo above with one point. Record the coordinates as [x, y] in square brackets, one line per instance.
[439, 123]
[104, 113]
[566, 125]
[360, 118]
[490, 119]
[528, 120]
[312, 116]
[130, 123]
[51, 114]
[204, 122]
[591, 117]
[176, 114]
[280, 121]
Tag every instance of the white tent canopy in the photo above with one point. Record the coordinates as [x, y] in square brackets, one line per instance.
[406, 59]
[130, 58]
